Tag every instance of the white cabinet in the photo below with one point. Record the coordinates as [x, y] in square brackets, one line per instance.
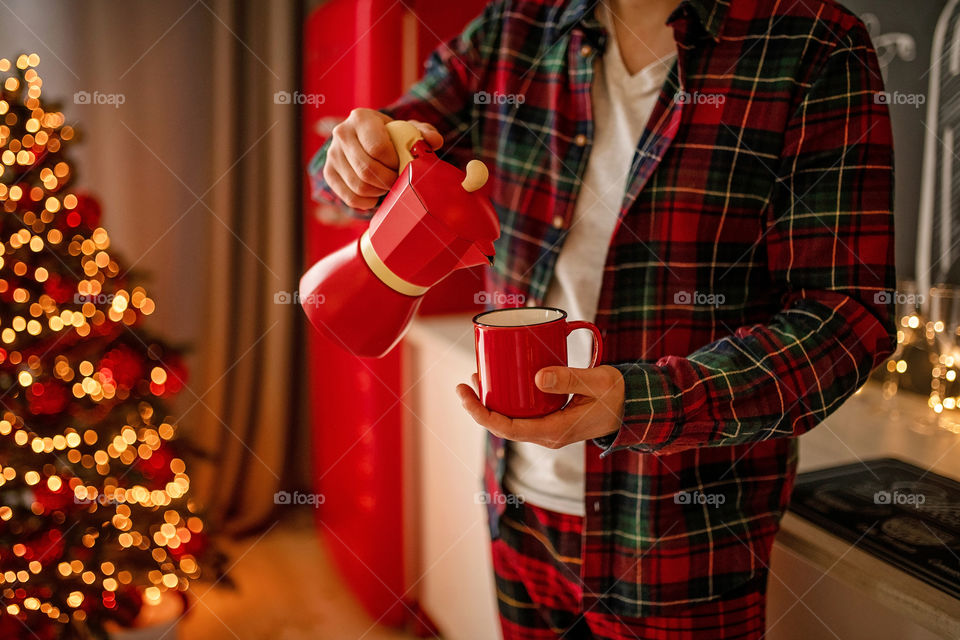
[452, 572]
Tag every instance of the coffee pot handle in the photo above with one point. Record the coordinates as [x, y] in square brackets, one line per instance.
[403, 135]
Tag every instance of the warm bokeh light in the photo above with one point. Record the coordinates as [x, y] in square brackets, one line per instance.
[103, 519]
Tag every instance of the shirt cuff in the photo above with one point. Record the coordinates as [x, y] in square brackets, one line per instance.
[319, 189]
[652, 415]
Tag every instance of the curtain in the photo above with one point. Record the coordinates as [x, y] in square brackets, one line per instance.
[248, 415]
[199, 176]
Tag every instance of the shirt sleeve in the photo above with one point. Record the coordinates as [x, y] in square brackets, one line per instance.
[443, 97]
[830, 249]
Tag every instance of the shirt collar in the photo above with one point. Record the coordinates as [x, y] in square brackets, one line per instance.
[710, 13]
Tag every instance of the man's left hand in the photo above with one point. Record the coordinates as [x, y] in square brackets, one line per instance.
[595, 410]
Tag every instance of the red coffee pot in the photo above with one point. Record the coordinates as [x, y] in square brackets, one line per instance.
[432, 222]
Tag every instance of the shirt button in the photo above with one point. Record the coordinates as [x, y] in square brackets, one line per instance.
[558, 222]
[596, 505]
[500, 452]
[580, 140]
[586, 50]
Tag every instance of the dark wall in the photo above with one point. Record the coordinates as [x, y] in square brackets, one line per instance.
[903, 35]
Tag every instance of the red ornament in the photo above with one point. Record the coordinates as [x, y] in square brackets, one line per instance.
[126, 366]
[58, 288]
[157, 467]
[10, 627]
[46, 398]
[125, 604]
[88, 209]
[53, 500]
[177, 374]
[46, 548]
[193, 547]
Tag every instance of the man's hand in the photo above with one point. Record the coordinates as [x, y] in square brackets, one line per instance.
[595, 410]
[361, 162]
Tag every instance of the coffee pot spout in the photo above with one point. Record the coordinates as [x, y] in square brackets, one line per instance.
[478, 253]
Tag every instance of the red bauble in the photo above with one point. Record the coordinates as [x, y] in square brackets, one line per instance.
[89, 210]
[46, 548]
[126, 366]
[126, 602]
[195, 546]
[177, 374]
[46, 398]
[60, 289]
[29, 626]
[157, 467]
[10, 627]
[53, 500]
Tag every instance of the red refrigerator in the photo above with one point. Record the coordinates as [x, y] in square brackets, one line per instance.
[365, 53]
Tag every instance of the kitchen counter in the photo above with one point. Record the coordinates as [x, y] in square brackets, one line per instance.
[889, 603]
[865, 427]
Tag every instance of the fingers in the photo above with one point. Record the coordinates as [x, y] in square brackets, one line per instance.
[498, 424]
[466, 394]
[344, 192]
[593, 382]
[361, 161]
[356, 185]
[371, 133]
[429, 133]
[552, 431]
[371, 175]
[595, 409]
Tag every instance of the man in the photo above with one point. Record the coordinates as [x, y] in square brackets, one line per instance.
[710, 181]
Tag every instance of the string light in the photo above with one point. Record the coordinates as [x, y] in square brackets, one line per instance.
[97, 468]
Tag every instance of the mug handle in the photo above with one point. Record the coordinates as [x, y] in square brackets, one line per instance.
[597, 338]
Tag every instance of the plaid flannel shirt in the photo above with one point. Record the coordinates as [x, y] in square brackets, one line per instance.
[744, 293]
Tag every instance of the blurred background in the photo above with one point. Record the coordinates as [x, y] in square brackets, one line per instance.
[344, 492]
[197, 172]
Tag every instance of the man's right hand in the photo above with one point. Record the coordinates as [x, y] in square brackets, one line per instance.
[361, 162]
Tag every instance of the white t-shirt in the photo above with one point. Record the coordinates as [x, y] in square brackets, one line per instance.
[622, 103]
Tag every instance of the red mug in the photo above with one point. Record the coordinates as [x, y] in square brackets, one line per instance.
[512, 345]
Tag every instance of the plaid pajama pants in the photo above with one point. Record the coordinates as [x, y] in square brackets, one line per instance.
[536, 560]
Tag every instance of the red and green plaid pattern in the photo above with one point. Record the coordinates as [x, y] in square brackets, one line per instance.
[742, 294]
[536, 561]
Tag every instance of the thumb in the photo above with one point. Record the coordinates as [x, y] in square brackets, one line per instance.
[429, 133]
[588, 382]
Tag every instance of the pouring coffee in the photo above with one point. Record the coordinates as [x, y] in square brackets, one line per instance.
[432, 222]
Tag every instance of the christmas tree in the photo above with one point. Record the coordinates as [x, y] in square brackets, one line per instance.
[96, 521]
